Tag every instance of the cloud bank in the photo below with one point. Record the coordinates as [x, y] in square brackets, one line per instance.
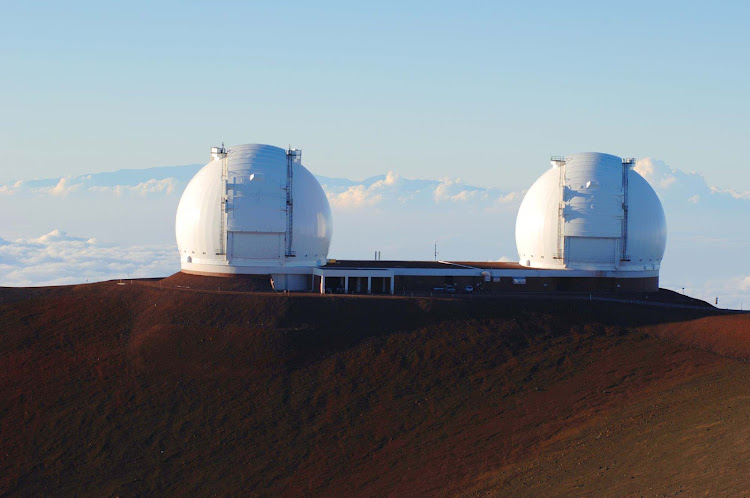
[392, 189]
[708, 236]
[160, 180]
[57, 258]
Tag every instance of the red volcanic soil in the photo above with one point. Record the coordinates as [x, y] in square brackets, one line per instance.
[111, 389]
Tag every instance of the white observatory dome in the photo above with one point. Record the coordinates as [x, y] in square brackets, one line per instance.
[591, 211]
[253, 209]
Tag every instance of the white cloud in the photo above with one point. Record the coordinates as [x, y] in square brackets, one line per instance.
[658, 174]
[63, 187]
[363, 195]
[57, 259]
[394, 190]
[58, 236]
[454, 190]
[687, 197]
[510, 197]
[391, 178]
[158, 181]
[651, 170]
[354, 197]
[66, 185]
[164, 185]
[11, 189]
[666, 181]
[732, 192]
[663, 177]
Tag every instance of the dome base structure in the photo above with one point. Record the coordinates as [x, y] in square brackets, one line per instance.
[221, 283]
[284, 279]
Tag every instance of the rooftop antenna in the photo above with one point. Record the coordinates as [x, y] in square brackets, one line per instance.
[436, 250]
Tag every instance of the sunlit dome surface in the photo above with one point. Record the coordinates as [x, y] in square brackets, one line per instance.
[235, 217]
[591, 211]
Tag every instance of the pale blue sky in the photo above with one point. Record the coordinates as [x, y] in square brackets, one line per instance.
[482, 90]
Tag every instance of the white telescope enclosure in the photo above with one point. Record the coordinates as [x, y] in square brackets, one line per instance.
[253, 209]
[591, 211]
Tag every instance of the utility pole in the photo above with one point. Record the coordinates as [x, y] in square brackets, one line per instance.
[436, 250]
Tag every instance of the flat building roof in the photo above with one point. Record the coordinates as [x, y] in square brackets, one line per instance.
[430, 265]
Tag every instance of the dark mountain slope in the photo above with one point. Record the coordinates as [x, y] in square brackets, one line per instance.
[136, 389]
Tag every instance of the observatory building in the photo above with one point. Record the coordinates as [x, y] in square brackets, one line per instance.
[255, 210]
[592, 212]
[590, 224]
